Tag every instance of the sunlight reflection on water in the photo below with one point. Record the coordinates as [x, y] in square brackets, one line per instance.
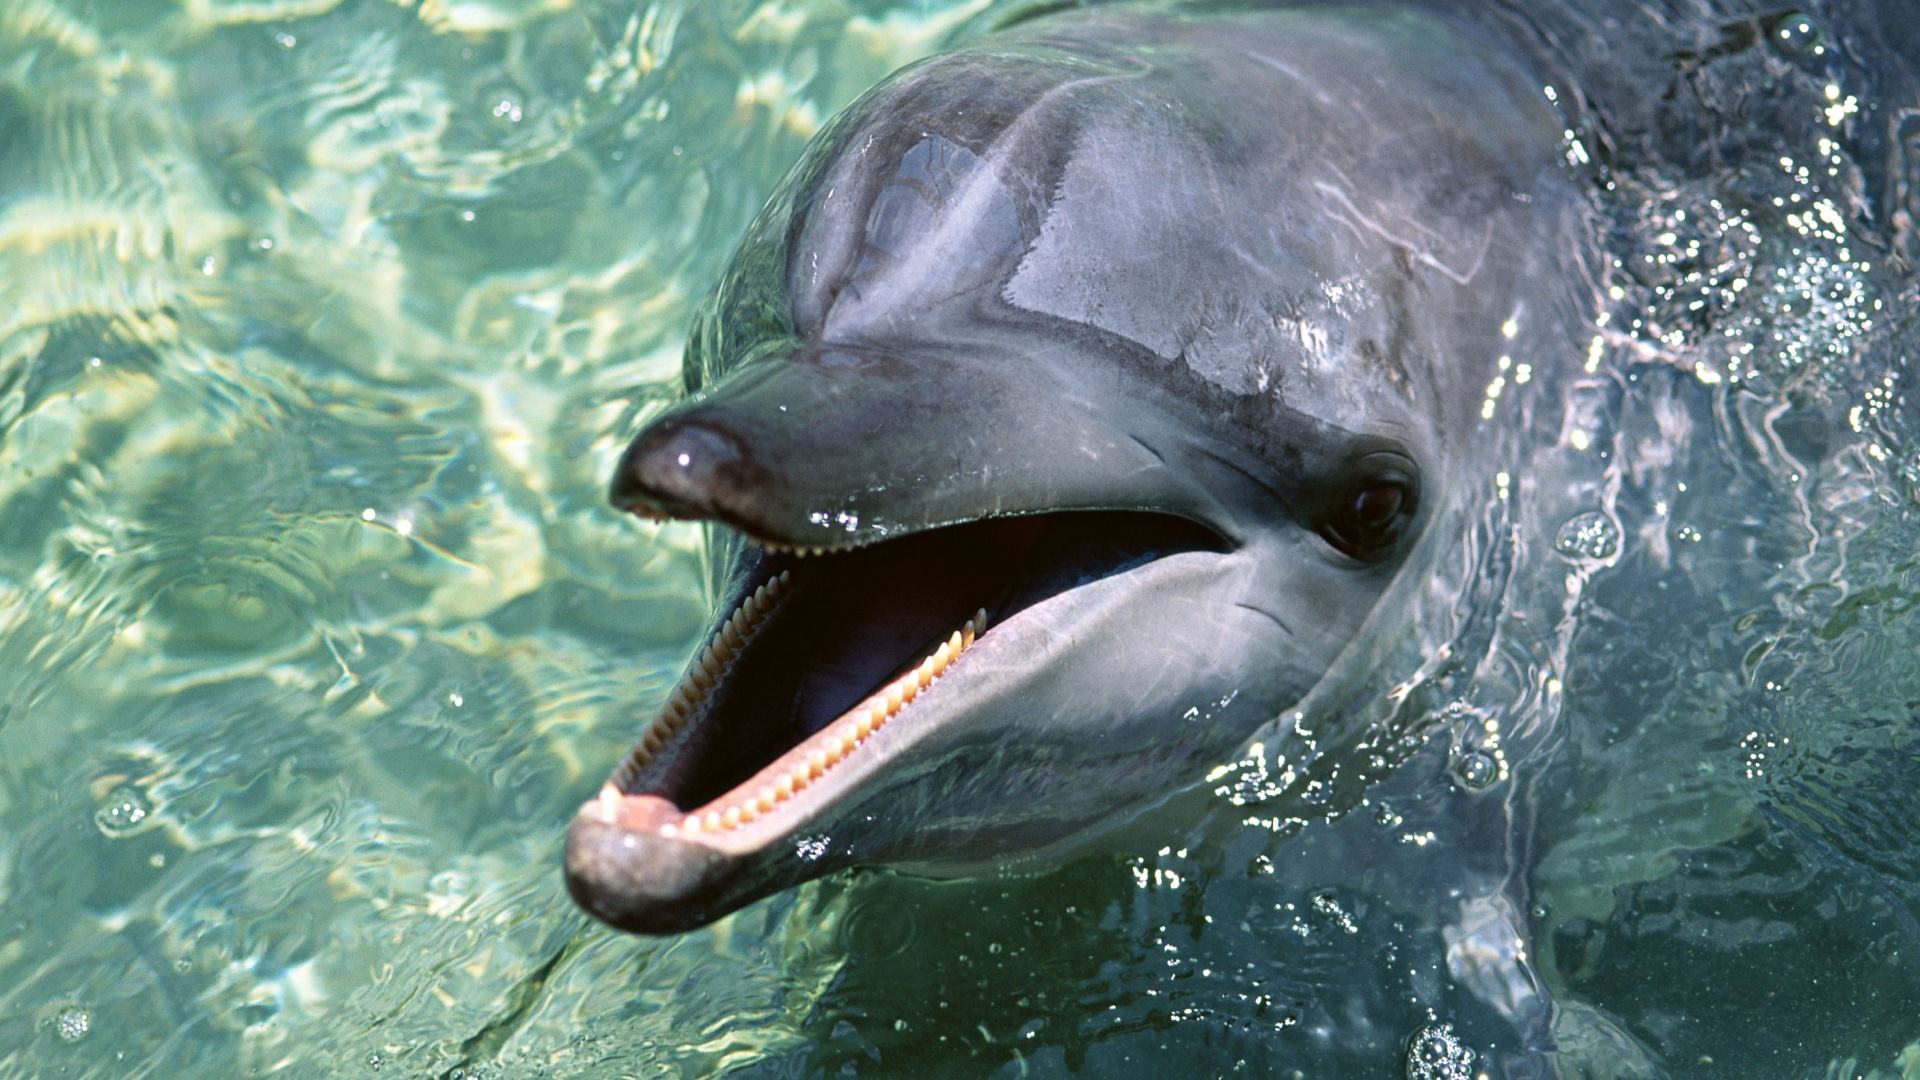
[321, 323]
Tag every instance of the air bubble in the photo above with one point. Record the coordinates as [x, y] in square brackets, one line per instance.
[1436, 1053]
[126, 807]
[1589, 535]
[72, 1024]
[1795, 34]
[1327, 905]
[1476, 770]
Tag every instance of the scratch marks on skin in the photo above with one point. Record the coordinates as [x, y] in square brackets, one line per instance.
[1268, 615]
[1419, 248]
[1280, 497]
[1294, 74]
[1148, 447]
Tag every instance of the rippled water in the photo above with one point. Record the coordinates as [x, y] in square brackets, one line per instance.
[322, 321]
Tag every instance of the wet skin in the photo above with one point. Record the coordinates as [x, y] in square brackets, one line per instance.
[1125, 366]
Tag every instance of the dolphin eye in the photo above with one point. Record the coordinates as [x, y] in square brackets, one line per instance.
[1365, 524]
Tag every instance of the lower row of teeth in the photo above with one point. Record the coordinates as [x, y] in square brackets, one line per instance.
[691, 698]
[856, 727]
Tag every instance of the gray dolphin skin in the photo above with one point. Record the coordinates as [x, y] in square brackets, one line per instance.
[1081, 401]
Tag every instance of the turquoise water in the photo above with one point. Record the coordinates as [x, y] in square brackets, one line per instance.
[322, 322]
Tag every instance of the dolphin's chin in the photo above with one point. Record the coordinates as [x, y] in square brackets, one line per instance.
[827, 666]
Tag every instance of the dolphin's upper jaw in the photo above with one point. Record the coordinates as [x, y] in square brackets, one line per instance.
[821, 672]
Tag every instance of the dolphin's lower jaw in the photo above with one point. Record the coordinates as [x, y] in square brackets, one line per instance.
[826, 673]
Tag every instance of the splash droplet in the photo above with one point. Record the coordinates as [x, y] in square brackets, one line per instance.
[1910, 474]
[1591, 535]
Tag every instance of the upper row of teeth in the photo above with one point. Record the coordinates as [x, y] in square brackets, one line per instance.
[850, 731]
[803, 550]
[691, 695]
[800, 551]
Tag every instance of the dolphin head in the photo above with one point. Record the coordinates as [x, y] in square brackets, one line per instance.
[1058, 428]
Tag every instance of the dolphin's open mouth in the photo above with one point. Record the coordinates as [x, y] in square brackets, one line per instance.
[822, 659]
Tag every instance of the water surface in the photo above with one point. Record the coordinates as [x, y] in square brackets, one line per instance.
[321, 323]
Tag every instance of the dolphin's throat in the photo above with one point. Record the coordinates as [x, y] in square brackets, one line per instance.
[822, 654]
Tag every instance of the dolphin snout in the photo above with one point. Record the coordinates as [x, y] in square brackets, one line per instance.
[686, 467]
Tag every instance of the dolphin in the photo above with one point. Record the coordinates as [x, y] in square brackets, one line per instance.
[1085, 400]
